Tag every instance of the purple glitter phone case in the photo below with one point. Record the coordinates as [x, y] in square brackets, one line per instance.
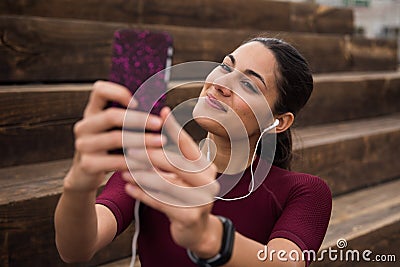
[137, 56]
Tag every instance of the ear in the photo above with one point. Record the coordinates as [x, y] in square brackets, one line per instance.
[285, 121]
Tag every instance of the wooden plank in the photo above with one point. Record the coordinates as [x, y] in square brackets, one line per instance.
[33, 104]
[350, 155]
[28, 197]
[336, 97]
[362, 51]
[29, 233]
[36, 143]
[39, 180]
[347, 97]
[36, 122]
[38, 126]
[43, 182]
[252, 14]
[357, 95]
[367, 219]
[29, 47]
[308, 17]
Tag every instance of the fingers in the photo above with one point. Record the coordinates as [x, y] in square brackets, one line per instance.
[167, 188]
[110, 118]
[137, 159]
[179, 136]
[114, 117]
[142, 120]
[197, 173]
[104, 92]
[113, 139]
[95, 163]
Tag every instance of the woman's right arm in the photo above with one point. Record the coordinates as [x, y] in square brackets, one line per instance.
[82, 227]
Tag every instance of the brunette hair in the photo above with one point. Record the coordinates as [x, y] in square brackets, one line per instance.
[294, 82]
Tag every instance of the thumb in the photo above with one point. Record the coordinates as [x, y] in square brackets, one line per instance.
[179, 136]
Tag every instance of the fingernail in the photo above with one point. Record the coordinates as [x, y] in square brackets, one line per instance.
[164, 139]
[159, 139]
[125, 175]
[133, 103]
[131, 189]
[155, 122]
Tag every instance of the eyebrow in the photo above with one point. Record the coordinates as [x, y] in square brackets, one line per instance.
[249, 72]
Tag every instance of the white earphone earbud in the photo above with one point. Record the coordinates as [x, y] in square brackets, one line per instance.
[272, 126]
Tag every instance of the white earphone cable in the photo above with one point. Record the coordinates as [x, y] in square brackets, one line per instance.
[251, 187]
[136, 234]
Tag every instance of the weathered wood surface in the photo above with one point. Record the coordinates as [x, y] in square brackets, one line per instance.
[347, 156]
[36, 143]
[336, 97]
[236, 14]
[36, 120]
[367, 219]
[28, 198]
[43, 49]
[350, 155]
[36, 123]
[35, 104]
[340, 97]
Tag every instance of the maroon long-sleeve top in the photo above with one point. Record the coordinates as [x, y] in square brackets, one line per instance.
[286, 204]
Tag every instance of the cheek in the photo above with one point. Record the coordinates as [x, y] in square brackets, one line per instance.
[247, 116]
[255, 114]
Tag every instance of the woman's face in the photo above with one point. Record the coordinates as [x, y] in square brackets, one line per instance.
[242, 88]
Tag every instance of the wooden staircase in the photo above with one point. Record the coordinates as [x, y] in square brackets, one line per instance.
[51, 51]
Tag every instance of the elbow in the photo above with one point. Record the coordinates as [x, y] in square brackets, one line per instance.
[73, 256]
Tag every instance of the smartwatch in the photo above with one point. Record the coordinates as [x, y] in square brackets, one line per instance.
[225, 252]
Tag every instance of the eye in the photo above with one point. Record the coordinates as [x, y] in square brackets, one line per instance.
[250, 86]
[225, 67]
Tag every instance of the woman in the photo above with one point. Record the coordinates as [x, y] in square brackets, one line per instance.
[289, 211]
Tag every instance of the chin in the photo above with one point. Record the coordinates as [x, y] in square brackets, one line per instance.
[211, 126]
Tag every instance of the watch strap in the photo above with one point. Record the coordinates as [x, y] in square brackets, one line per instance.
[225, 252]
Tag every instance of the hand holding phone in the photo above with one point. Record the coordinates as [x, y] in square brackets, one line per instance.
[139, 56]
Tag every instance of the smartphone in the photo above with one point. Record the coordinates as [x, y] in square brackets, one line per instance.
[137, 56]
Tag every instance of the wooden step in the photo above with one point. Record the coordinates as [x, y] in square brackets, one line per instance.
[28, 197]
[368, 219]
[236, 14]
[350, 155]
[36, 120]
[45, 49]
[336, 97]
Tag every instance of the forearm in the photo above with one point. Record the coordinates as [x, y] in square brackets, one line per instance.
[76, 224]
[247, 252]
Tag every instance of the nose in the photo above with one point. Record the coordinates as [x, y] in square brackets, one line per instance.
[222, 87]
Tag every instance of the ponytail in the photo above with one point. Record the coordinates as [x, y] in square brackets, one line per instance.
[283, 151]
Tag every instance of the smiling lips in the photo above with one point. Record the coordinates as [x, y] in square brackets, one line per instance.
[213, 102]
